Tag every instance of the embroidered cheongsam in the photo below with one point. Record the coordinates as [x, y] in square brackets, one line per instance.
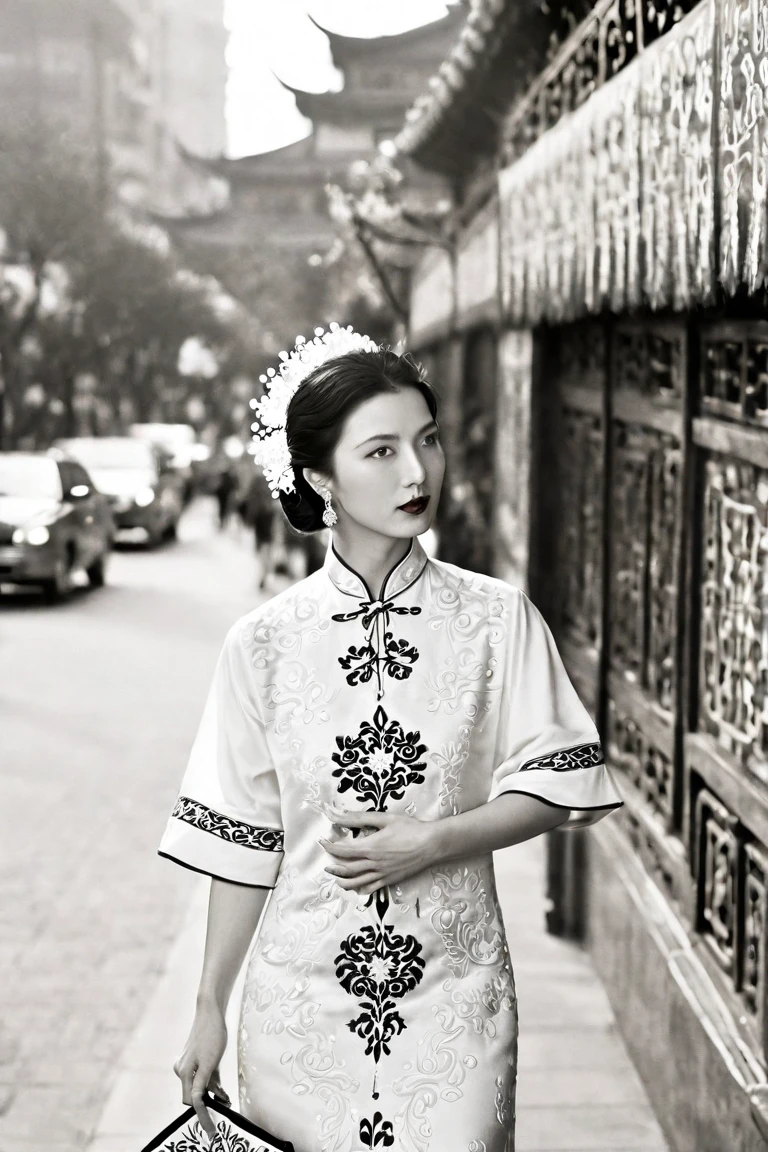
[388, 1020]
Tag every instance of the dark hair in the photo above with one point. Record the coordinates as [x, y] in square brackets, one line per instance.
[318, 409]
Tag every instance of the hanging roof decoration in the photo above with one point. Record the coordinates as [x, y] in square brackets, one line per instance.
[519, 66]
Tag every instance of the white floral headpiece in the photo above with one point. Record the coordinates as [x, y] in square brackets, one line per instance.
[270, 450]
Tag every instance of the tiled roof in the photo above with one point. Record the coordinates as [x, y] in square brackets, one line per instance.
[460, 115]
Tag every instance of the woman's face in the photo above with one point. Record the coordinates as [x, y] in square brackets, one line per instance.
[389, 453]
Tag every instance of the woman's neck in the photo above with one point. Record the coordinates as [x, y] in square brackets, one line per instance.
[372, 558]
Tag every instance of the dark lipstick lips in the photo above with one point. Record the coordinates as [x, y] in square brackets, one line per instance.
[415, 505]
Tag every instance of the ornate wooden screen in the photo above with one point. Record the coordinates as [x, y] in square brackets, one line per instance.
[726, 752]
[663, 618]
[645, 562]
[578, 364]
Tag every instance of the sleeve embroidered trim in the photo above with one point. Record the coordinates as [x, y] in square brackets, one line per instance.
[568, 759]
[235, 831]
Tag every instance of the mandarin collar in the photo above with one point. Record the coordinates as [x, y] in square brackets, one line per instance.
[399, 577]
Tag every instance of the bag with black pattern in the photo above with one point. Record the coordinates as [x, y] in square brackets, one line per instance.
[233, 1133]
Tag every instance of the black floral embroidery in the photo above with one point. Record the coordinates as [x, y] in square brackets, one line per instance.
[235, 831]
[568, 759]
[394, 658]
[380, 762]
[378, 966]
[376, 1132]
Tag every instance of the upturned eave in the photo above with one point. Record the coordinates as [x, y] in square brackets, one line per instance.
[457, 122]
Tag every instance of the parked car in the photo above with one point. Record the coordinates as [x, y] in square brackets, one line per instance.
[180, 442]
[143, 489]
[52, 520]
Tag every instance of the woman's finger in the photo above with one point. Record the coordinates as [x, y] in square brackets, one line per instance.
[341, 851]
[351, 868]
[199, 1085]
[186, 1074]
[359, 882]
[216, 1088]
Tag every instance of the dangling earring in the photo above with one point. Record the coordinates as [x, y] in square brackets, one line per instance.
[329, 516]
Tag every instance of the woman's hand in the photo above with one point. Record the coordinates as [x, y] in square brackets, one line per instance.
[400, 847]
[198, 1065]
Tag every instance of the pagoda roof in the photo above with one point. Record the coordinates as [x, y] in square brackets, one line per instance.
[349, 106]
[347, 50]
[459, 119]
[291, 161]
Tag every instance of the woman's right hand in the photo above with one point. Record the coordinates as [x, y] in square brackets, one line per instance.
[198, 1065]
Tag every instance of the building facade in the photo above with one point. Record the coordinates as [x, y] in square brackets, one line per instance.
[72, 63]
[181, 49]
[610, 278]
[117, 76]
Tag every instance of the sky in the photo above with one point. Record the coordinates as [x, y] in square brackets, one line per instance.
[277, 35]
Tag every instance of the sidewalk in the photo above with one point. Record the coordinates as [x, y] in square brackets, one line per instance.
[577, 1089]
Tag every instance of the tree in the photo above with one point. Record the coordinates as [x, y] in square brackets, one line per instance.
[48, 205]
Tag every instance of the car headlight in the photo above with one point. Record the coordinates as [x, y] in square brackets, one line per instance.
[144, 497]
[39, 535]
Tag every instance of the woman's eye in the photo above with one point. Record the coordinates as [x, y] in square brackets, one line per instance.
[432, 436]
[383, 448]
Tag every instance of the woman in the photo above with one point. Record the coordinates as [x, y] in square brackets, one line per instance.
[260, 514]
[372, 735]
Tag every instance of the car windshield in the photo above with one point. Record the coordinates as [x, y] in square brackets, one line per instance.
[34, 477]
[110, 453]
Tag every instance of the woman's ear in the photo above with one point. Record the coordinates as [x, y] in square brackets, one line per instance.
[318, 482]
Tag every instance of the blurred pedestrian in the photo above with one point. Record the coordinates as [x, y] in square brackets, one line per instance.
[312, 546]
[225, 486]
[260, 511]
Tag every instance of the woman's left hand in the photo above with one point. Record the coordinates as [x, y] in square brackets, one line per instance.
[400, 847]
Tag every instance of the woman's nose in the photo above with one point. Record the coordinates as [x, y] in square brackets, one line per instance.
[414, 472]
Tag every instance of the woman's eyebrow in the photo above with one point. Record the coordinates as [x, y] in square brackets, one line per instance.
[394, 436]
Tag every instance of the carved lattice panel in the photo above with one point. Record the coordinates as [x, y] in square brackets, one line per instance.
[717, 893]
[648, 769]
[735, 372]
[663, 565]
[629, 549]
[645, 559]
[753, 983]
[581, 354]
[581, 536]
[649, 372]
[734, 610]
[651, 363]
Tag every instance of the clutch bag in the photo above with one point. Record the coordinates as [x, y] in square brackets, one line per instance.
[233, 1133]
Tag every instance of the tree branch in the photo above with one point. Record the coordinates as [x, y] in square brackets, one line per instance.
[378, 268]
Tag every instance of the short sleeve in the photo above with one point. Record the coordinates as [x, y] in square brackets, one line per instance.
[227, 820]
[548, 745]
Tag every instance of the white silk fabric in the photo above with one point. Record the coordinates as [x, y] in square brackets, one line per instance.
[390, 1020]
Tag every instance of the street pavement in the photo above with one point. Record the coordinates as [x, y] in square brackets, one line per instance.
[101, 940]
[99, 701]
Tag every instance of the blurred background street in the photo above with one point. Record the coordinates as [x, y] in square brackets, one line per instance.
[100, 700]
